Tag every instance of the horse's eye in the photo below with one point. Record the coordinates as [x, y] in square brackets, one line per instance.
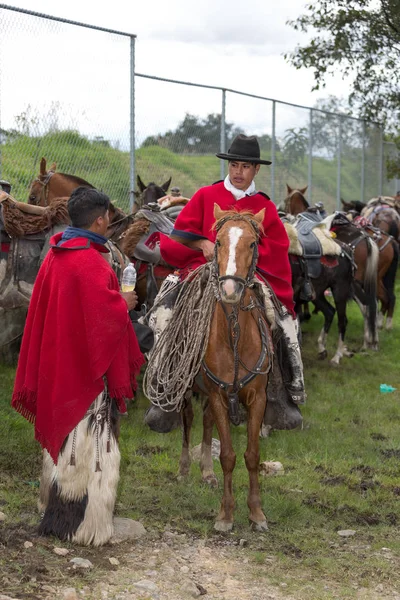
[252, 245]
[218, 243]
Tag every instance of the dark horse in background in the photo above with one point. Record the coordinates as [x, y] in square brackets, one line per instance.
[364, 253]
[328, 271]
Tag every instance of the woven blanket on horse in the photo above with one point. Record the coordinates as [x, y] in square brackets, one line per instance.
[18, 223]
[382, 201]
[172, 205]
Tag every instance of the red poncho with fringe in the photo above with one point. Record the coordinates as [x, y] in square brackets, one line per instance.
[77, 331]
[196, 221]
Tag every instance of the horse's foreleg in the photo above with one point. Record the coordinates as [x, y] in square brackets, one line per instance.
[340, 303]
[187, 421]
[328, 311]
[255, 413]
[224, 520]
[206, 460]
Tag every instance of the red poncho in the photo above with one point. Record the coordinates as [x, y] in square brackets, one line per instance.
[196, 220]
[77, 331]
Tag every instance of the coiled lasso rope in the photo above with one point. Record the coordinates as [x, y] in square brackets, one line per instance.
[177, 356]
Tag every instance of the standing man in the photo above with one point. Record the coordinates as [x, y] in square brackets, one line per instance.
[192, 240]
[77, 365]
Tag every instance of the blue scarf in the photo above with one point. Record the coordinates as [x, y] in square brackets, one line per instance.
[74, 232]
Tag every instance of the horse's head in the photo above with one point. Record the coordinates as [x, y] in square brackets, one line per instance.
[236, 250]
[295, 201]
[38, 192]
[152, 192]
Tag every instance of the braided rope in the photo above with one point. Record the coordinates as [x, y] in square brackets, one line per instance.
[177, 356]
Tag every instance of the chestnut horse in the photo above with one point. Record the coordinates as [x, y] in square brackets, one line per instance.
[49, 185]
[237, 358]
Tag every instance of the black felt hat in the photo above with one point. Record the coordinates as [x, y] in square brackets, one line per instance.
[245, 149]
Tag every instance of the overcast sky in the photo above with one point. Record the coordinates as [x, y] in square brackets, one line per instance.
[233, 44]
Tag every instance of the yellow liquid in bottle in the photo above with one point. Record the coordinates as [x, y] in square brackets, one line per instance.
[127, 288]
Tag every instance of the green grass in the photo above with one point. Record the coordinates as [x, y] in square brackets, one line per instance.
[341, 472]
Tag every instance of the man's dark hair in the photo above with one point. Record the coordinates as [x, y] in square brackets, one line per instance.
[85, 205]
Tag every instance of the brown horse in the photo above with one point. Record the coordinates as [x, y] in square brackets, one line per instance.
[237, 361]
[387, 269]
[49, 185]
[295, 201]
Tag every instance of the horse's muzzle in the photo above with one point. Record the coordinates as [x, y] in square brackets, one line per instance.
[231, 290]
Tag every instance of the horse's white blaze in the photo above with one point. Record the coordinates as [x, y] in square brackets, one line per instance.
[235, 233]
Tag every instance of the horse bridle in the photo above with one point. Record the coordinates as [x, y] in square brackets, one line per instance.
[44, 183]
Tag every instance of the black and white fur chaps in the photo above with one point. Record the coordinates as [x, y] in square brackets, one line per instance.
[77, 496]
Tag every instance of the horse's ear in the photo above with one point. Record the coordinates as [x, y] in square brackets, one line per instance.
[43, 167]
[140, 183]
[259, 217]
[218, 213]
[303, 191]
[289, 189]
[53, 167]
[166, 185]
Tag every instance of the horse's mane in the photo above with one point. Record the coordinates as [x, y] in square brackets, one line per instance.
[239, 215]
[77, 180]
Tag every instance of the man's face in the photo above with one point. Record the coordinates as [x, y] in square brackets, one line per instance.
[242, 174]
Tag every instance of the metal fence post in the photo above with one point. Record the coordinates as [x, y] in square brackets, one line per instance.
[339, 164]
[310, 146]
[222, 146]
[132, 148]
[363, 164]
[273, 146]
[381, 159]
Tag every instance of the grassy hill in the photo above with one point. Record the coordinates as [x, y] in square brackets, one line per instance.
[108, 168]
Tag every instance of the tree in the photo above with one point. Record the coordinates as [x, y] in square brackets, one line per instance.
[295, 145]
[195, 135]
[361, 38]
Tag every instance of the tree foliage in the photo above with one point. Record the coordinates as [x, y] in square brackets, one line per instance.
[195, 135]
[361, 38]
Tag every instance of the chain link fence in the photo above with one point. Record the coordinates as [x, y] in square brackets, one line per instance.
[88, 112]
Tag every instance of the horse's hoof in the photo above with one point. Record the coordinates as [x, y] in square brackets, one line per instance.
[322, 355]
[261, 526]
[223, 526]
[211, 480]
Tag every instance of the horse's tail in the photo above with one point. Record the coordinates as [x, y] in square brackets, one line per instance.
[371, 287]
[389, 278]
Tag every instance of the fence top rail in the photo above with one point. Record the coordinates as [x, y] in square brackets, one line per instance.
[223, 89]
[61, 20]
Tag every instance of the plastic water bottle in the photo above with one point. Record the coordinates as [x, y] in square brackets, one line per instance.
[128, 278]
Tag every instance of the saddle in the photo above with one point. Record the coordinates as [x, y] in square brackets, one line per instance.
[311, 240]
[147, 249]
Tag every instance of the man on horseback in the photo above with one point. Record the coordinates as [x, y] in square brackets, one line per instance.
[77, 365]
[192, 241]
